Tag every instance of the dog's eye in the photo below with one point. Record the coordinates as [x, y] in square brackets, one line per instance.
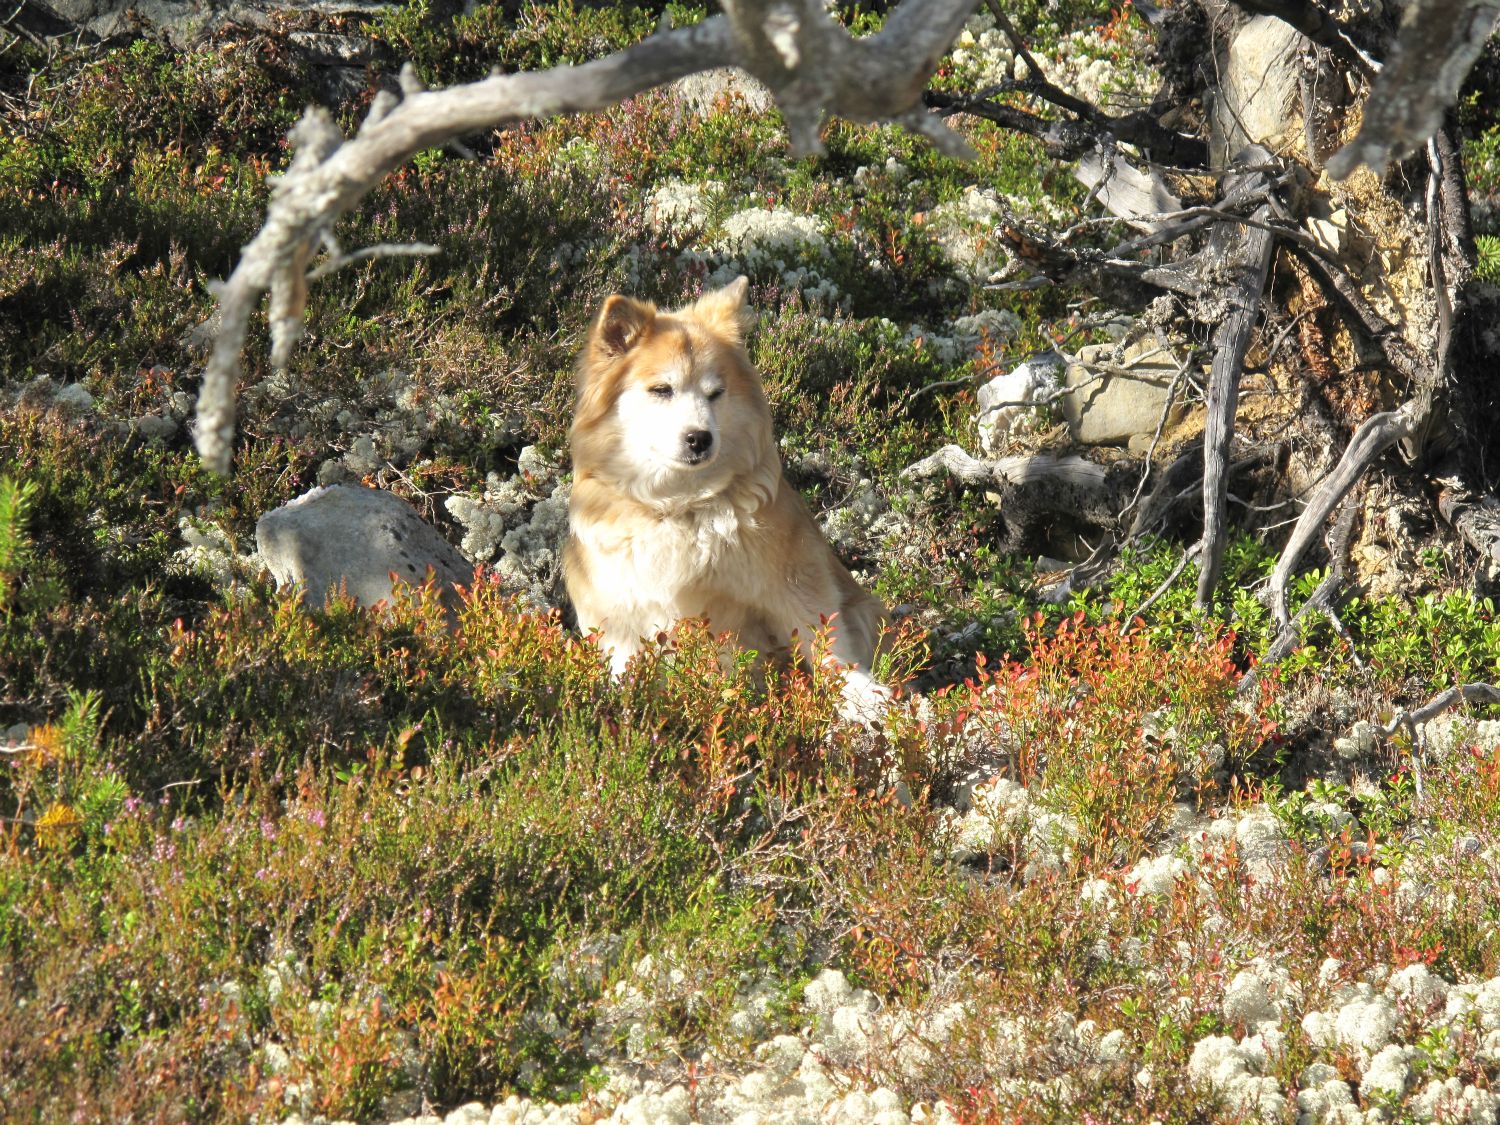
[715, 394]
[661, 390]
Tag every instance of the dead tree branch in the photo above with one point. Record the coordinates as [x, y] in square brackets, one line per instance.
[1475, 517]
[1246, 260]
[1435, 46]
[812, 66]
[1070, 472]
[1443, 701]
[1377, 434]
[1042, 482]
[1090, 127]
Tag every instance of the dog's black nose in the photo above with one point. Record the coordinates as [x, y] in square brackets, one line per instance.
[698, 441]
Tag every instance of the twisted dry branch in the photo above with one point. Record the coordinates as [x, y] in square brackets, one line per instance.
[811, 65]
[1436, 45]
[1377, 434]
[1443, 701]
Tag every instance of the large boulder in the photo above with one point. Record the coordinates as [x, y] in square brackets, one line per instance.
[354, 538]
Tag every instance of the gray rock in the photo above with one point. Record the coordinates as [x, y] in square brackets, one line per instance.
[355, 537]
[1112, 408]
[154, 427]
[1258, 100]
[75, 397]
[700, 93]
[327, 49]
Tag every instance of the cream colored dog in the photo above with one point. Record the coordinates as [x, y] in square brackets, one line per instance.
[679, 505]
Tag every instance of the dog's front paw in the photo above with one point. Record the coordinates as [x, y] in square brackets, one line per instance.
[865, 699]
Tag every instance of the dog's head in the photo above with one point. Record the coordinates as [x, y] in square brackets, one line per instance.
[669, 409]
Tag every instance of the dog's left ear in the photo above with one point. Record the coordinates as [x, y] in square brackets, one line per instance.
[725, 309]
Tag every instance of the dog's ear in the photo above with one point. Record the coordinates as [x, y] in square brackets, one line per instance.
[725, 310]
[621, 324]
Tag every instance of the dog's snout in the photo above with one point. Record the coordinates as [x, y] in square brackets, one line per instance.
[698, 441]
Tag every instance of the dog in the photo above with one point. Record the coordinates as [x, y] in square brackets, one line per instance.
[680, 508]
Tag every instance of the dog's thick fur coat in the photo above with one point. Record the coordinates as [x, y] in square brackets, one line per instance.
[679, 505]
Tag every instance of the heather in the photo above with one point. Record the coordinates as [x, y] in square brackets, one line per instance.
[259, 861]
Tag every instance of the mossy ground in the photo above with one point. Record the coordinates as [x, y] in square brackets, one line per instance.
[250, 851]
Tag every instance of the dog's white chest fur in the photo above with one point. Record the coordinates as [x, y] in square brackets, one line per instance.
[664, 569]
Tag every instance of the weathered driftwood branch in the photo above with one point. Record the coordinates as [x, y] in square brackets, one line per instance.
[1377, 434]
[1132, 194]
[1436, 44]
[1242, 259]
[811, 65]
[1443, 701]
[329, 175]
[1071, 472]
[1324, 599]
[1044, 482]
[1450, 249]
[1475, 517]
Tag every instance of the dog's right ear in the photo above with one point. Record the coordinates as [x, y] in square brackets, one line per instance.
[621, 324]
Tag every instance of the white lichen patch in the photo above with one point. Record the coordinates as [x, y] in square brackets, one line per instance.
[758, 236]
[679, 209]
[210, 551]
[965, 229]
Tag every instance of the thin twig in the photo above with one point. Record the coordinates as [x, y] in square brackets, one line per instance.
[380, 250]
[1017, 44]
[1187, 556]
[1161, 425]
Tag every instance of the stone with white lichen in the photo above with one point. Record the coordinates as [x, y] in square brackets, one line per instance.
[354, 538]
[1008, 398]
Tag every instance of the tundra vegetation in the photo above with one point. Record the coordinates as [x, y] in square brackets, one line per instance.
[1124, 850]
